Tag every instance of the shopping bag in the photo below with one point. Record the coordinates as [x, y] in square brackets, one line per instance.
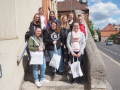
[36, 58]
[76, 69]
[55, 61]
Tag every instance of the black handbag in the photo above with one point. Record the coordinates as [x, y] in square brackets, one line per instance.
[28, 34]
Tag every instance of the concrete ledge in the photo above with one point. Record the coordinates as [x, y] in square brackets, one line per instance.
[95, 68]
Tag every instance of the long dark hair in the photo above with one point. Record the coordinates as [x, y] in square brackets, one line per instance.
[57, 30]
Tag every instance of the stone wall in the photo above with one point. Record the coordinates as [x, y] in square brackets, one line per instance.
[95, 68]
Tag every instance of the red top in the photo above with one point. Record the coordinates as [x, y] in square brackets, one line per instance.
[82, 28]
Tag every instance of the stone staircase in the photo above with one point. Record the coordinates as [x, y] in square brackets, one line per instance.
[57, 83]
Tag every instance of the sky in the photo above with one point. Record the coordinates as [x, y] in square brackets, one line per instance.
[103, 12]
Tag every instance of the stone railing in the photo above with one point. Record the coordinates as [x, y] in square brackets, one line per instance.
[94, 65]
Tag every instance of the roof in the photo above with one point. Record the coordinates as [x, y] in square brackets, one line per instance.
[66, 5]
[109, 27]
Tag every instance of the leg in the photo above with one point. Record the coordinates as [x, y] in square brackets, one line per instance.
[35, 72]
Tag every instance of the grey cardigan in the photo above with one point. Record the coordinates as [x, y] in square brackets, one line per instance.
[82, 43]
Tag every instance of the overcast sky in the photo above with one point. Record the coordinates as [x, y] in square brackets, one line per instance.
[103, 12]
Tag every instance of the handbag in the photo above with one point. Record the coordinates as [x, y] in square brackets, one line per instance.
[37, 56]
[76, 69]
[28, 34]
[55, 61]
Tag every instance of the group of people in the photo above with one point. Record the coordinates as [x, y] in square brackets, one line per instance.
[66, 33]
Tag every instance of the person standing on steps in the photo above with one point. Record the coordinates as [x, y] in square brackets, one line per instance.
[32, 46]
[51, 37]
[83, 28]
[71, 20]
[52, 18]
[65, 29]
[42, 20]
[76, 44]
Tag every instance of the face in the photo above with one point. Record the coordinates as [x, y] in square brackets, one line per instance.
[41, 12]
[70, 16]
[80, 20]
[76, 27]
[38, 32]
[64, 19]
[52, 15]
[37, 17]
[53, 26]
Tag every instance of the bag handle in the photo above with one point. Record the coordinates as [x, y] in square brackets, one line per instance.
[35, 41]
[55, 49]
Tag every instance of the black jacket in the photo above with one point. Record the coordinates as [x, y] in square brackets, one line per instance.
[64, 33]
[71, 25]
[32, 27]
[51, 36]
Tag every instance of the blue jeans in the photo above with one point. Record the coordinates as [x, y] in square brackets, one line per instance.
[51, 52]
[42, 70]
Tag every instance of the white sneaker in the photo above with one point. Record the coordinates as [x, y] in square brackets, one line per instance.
[37, 83]
[44, 80]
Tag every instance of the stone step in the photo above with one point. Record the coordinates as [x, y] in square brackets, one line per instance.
[54, 85]
[29, 77]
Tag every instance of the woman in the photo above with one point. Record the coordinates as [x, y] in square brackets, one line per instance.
[65, 29]
[32, 46]
[52, 37]
[35, 23]
[76, 44]
[71, 20]
[52, 18]
[42, 19]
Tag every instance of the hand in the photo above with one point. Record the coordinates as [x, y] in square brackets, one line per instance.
[54, 42]
[78, 55]
[73, 54]
[40, 49]
[61, 44]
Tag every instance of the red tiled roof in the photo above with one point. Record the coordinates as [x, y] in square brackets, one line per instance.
[66, 5]
[109, 27]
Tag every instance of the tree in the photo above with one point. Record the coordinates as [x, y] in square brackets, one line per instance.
[91, 28]
[99, 34]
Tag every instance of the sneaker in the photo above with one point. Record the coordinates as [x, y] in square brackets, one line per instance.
[37, 83]
[44, 80]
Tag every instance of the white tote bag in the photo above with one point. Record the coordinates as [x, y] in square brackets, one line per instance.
[76, 69]
[37, 56]
[55, 61]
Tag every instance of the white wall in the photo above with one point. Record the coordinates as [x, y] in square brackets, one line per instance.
[15, 17]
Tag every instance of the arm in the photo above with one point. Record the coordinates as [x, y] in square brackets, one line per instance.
[46, 38]
[82, 44]
[32, 46]
[31, 28]
[69, 42]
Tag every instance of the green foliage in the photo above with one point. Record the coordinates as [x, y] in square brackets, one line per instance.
[99, 34]
[91, 28]
[112, 36]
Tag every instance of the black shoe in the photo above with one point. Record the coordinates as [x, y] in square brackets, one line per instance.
[53, 74]
[73, 81]
[62, 73]
[78, 81]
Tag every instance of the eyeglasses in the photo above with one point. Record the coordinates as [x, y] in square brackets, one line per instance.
[37, 17]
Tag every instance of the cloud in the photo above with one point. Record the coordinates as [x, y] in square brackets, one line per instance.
[101, 13]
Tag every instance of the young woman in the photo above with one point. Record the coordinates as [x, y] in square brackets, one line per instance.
[65, 29]
[32, 46]
[76, 44]
[52, 18]
[42, 19]
[35, 23]
[52, 37]
[71, 20]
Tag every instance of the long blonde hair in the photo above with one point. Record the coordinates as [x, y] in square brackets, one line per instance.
[66, 26]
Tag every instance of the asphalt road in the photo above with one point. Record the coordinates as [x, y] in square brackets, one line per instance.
[111, 58]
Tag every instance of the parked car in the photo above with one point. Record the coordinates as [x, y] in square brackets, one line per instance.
[109, 42]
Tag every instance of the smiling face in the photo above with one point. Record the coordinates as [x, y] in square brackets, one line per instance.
[80, 19]
[41, 12]
[71, 16]
[75, 27]
[52, 15]
[64, 19]
[37, 17]
[38, 32]
[53, 26]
